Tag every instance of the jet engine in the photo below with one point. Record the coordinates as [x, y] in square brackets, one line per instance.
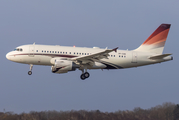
[63, 66]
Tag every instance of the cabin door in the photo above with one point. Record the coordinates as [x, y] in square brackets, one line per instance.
[134, 57]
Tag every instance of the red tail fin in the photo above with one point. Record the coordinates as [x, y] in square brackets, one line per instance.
[156, 41]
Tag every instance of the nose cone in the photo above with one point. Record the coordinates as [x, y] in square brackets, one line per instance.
[8, 56]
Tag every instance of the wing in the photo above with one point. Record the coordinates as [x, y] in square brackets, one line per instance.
[93, 57]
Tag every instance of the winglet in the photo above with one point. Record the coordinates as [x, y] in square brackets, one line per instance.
[115, 49]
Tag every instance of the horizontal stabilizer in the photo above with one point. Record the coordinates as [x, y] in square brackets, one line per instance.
[159, 56]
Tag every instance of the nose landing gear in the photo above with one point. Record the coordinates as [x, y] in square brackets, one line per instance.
[30, 72]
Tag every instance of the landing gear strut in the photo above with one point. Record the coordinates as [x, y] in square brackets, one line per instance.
[84, 75]
[30, 72]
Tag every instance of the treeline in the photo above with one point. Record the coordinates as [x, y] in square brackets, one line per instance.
[166, 111]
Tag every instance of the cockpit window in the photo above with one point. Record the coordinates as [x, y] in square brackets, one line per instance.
[18, 49]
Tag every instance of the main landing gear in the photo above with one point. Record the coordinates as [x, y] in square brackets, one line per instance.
[84, 75]
[30, 72]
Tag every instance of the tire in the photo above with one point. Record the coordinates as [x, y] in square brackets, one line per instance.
[86, 74]
[82, 77]
[30, 73]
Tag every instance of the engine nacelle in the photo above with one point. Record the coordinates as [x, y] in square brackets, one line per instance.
[63, 66]
[56, 70]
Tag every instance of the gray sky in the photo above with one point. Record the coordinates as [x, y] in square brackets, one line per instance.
[102, 23]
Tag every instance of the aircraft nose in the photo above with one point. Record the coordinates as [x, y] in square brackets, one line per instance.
[8, 56]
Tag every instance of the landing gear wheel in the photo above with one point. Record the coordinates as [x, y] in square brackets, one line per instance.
[30, 73]
[86, 74]
[82, 76]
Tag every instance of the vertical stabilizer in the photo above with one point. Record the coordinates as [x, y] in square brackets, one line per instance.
[156, 41]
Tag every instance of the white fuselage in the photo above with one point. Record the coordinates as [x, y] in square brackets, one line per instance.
[63, 59]
[43, 54]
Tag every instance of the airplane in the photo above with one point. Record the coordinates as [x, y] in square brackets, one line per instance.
[63, 59]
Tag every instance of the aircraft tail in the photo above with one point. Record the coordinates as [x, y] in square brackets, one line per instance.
[156, 41]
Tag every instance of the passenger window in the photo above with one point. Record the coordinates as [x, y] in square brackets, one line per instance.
[85, 53]
[42, 50]
[66, 52]
[47, 51]
[69, 52]
[80, 53]
[119, 55]
[36, 50]
[52, 51]
[114, 55]
[88, 53]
